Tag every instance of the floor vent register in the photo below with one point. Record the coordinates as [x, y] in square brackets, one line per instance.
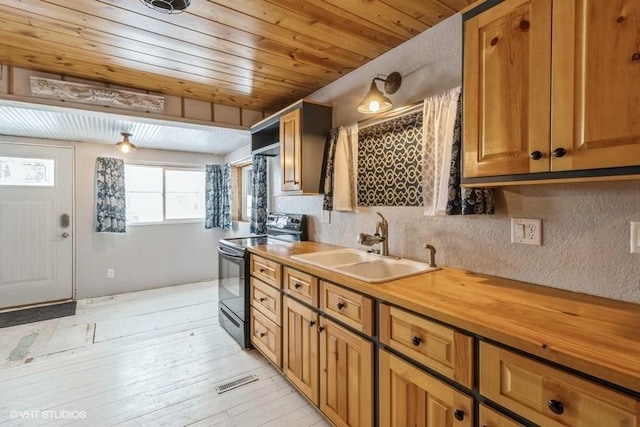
[235, 383]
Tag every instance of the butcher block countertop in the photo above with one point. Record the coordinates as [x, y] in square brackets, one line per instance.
[596, 336]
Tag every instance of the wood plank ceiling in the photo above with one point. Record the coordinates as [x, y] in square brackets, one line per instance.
[257, 54]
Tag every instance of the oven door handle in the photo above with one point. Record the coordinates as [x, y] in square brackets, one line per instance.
[230, 252]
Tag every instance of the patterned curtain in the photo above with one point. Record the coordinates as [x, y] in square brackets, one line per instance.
[390, 162]
[328, 169]
[465, 201]
[218, 197]
[110, 196]
[259, 196]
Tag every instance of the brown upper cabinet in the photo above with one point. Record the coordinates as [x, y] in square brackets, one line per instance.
[297, 134]
[550, 91]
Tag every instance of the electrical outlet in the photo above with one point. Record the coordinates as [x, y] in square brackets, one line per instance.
[635, 237]
[111, 273]
[326, 217]
[526, 231]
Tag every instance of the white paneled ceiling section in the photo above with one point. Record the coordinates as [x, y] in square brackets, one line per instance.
[75, 126]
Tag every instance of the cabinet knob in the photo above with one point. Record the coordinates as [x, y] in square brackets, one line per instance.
[311, 323]
[559, 152]
[263, 299]
[635, 56]
[340, 305]
[458, 414]
[494, 41]
[262, 334]
[536, 155]
[262, 270]
[524, 25]
[296, 285]
[320, 328]
[416, 341]
[555, 406]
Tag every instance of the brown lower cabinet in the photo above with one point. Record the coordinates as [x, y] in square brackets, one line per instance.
[492, 418]
[300, 348]
[408, 396]
[346, 376]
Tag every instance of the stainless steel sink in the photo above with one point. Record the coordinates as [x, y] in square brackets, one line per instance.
[364, 266]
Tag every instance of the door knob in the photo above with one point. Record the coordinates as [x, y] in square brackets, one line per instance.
[536, 155]
[559, 152]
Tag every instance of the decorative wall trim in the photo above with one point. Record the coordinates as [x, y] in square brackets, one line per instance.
[87, 94]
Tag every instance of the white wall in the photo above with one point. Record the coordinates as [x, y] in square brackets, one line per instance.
[586, 226]
[145, 257]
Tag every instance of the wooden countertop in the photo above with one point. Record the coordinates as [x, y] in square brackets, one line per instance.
[597, 336]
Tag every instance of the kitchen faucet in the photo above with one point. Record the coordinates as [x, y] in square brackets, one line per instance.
[432, 254]
[381, 236]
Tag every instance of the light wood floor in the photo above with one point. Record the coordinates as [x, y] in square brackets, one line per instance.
[148, 358]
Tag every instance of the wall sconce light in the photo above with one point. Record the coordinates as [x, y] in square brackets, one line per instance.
[375, 101]
[167, 6]
[125, 146]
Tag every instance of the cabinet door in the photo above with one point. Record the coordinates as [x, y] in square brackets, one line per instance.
[492, 418]
[300, 347]
[291, 151]
[411, 397]
[346, 372]
[507, 57]
[596, 69]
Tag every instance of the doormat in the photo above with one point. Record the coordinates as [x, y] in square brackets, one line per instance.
[37, 314]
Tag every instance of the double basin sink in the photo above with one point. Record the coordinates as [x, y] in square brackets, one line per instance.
[363, 265]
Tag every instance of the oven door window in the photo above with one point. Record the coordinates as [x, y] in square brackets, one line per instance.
[231, 283]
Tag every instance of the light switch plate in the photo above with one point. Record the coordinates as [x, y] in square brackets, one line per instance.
[635, 237]
[526, 231]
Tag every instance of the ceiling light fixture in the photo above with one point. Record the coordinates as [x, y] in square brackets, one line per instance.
[167, 6]
[125, 146]
[375, 101]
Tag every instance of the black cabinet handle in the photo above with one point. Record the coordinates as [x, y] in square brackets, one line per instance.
[536, 155]
[262, 270]
[297, 285]
[559, 152]
[416, 341]
[263, 299]
[556, 406]
[340, 305]
[458, 414]
[320, 328]
[311, 323]
[262, 334]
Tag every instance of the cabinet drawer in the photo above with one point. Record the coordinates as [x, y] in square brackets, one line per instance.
[492, 418]
[267, 300]
[349, 307]
[549, 396]
[301, 286]
[267, 337]
[266, 270]
[439, 347]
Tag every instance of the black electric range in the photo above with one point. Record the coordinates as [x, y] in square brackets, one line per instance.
[233, 270]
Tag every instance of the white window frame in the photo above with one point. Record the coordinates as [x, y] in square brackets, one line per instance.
[165, 167]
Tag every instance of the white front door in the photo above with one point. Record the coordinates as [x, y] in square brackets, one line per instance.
[36, 224]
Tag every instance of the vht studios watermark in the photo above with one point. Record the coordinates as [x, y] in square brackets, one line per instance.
[48, 415]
